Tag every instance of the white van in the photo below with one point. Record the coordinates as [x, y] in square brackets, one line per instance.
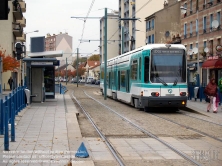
[89, 79]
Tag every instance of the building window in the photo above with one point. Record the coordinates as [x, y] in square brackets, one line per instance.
[149, 40]
[191, 28]
[205, 44]
[219, 18]
[185, 5]
[185, 30]
[205, 24]
[211, 20]
[152, 23]
[152, 38]
[197, 26]
[196, 45]
[191, 46]
[218, 41]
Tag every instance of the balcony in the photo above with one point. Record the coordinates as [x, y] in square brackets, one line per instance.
[191, 34]
[17, 30]
[22, 22]
[17, 12]
[23, 6]
[22, 39]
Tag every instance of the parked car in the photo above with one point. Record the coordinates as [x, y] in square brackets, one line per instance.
[93, 81]
[89, 79]
[74, 80]
[97, 82]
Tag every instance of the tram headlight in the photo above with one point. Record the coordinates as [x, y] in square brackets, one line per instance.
[183, 102]
[183, 93]
[155, 94]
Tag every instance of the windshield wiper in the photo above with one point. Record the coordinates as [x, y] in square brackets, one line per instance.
[175, 82]
[163, 82]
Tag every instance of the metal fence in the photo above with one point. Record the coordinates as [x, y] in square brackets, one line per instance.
[9, 108]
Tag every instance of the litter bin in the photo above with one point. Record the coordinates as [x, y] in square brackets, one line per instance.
[27, 93]
[196, 89]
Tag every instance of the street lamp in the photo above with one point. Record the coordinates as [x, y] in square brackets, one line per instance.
[23, 66]
[184, 10]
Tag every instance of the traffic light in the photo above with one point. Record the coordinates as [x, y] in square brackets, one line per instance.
[19, 50]
[4, 9]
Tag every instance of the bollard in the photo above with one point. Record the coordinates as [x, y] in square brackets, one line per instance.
[12, 123]
[60, 88]
[6, 139]
[2, 118]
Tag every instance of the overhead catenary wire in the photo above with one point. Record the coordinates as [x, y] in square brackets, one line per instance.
[90, 8]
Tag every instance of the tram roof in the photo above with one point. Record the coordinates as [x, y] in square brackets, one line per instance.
[150, 46]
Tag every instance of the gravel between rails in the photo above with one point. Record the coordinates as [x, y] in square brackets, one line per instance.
[155, 125]
[203, 126]
[108, 122]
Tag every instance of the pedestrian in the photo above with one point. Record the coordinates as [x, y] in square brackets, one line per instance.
[217, 102]
[10, 82]
[211, 92]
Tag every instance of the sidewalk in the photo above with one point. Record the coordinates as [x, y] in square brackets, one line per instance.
[201, 107]
[46, 134]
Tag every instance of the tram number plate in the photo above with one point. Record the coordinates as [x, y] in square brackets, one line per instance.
[170, 94]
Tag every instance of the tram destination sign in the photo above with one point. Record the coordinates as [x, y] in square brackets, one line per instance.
[168, 51]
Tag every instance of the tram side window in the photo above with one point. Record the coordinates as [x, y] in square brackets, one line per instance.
[123, 79]
[146, 70]
[134, 67]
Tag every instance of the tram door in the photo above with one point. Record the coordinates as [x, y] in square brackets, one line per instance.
[127, 81]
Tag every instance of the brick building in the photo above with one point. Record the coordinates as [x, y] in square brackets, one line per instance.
[198, 29]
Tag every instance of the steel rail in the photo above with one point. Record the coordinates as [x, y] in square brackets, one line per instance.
[190, 128]
[188, 158]
[100, 133]
[201, 119]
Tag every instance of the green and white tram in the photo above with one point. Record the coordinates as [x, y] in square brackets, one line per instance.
[154, 75]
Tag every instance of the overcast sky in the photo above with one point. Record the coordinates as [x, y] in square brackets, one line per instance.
[54, 16]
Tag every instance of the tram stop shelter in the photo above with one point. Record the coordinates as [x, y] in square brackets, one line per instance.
[40, 74]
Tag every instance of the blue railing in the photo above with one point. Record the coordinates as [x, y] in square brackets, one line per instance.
[200, 94]
[9, 107]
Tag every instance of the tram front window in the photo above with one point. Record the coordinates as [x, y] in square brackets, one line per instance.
[168, 67]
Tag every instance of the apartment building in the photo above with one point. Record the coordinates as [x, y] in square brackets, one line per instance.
[163, 26]
[61, 41]
[135, 31]
[112, 36]
[11, 31]
[198, 29]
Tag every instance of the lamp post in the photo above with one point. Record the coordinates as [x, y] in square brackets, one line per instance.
[23, 66]
[183, 9]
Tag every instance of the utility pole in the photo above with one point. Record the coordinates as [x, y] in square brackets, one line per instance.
[122, 34]
[66, 70]
[77, 64]
[105, 56]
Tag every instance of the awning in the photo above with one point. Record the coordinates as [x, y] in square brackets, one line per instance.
[212, 64]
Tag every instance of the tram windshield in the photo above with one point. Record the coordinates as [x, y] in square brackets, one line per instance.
[168, 66]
